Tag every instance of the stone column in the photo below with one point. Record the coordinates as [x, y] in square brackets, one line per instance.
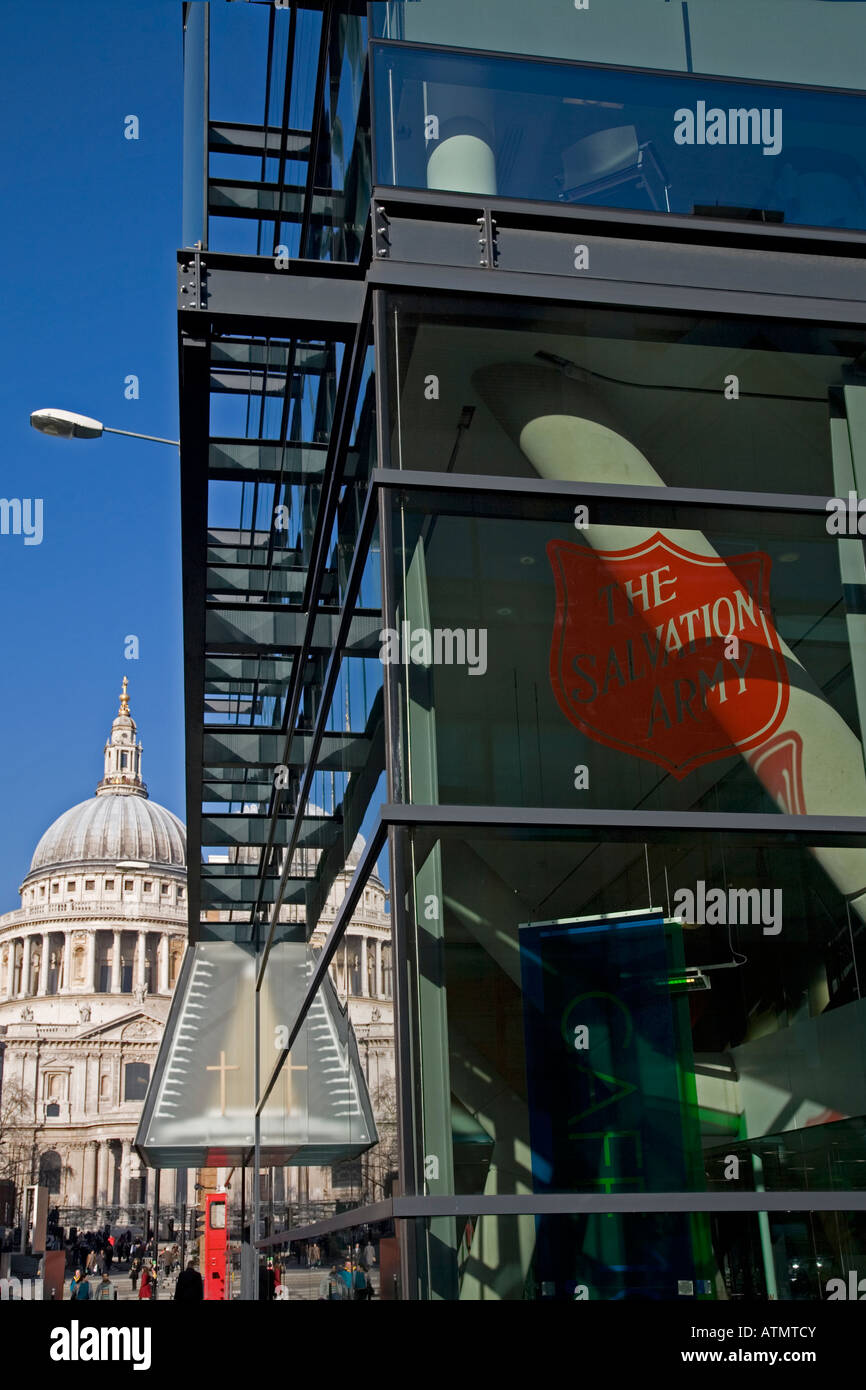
[140, 958]
[6, 985]
[43, 962]
[115, 1170]
[88, 1184]
[162, 960]
[90, 963]
[102, 1174]
[67, 963]
[25, 967]
[364, 989]
[126, 1154]
[115, 963]
[378, 968]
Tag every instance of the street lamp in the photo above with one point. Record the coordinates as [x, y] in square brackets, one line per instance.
[65, 424]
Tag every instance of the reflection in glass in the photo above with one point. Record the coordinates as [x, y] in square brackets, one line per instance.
[741, 1256]
[682, 1014]
[818, 44]
[649, 141]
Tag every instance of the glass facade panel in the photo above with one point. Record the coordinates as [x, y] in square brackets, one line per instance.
[539, 665]
[352, 1264]
[806, 41]
[195, 88]
[655, 391]
[619, 1016]
[640, 140]
[282, 183]
[745, 1257]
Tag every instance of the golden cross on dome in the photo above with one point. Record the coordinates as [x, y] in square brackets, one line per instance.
[124, 699]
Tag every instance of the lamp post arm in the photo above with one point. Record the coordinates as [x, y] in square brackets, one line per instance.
[155, 438]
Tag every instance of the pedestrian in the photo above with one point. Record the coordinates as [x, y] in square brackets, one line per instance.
[332, 1286]
[105, 1289]
[79, 1287]
[134, 1269]
[345, 1275]
[146, 1289]
[108, 1256]
[360, 1284]
[369, 1255]
[189, 1287]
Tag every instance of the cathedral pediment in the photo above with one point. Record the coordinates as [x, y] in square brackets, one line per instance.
[139, 1025]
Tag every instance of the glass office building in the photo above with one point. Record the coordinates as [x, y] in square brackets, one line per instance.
[522, 357]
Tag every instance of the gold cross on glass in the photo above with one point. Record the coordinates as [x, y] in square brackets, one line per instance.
[222, 1069]
[288, 1069]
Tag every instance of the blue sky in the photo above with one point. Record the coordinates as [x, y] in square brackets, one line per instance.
[87, 247]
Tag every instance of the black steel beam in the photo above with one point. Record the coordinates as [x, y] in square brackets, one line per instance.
[633, 258]
[194, 368]
[247, 294]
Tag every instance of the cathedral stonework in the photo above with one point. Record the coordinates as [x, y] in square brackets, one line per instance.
[88, 964]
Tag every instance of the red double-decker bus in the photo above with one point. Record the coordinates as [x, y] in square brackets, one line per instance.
[215, 1245]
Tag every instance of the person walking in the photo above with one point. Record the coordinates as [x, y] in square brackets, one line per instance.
[360, 1284]
[332, 1286]
[344, 1273]
[134, 1270]
[190, 1286]
[146, 1288]
[79, 1287]
[105, 1289]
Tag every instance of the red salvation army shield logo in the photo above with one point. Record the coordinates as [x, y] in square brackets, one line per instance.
[642, 658]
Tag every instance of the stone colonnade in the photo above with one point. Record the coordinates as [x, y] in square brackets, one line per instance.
[41, 962]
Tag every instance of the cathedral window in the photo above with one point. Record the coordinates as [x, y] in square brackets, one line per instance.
[180, 894]
[147, 886]
[50, 1170]
[109, 885]
[78, 964]
[70, 885]
[55, 1094]
[55, 887]
[42, 890]
[135, 1078]
[166, 887]
[127, 885]
[89, 884]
